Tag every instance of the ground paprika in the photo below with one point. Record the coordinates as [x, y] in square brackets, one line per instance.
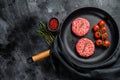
[53, 24]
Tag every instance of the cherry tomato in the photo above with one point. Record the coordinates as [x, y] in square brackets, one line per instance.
[104, 29]
[105, 35]
[106, 43]
[101, 23]
[97, 35]
[99, 42]
[96, 27]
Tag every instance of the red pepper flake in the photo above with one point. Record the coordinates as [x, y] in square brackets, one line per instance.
[53, 24]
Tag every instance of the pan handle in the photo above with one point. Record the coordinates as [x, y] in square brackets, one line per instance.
[39, 56]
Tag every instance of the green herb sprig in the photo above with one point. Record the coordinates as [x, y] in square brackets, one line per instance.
[44, 33]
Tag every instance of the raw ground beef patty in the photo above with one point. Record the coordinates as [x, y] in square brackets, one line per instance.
[85, 47]
[80, 26]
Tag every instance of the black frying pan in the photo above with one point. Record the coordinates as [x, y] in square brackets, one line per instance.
[64, 45]
[68, 39]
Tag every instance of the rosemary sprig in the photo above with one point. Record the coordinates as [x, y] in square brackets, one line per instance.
[45, 29]
[44, 33]
[84, 47]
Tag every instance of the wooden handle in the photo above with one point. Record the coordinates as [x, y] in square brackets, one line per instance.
[41, 55]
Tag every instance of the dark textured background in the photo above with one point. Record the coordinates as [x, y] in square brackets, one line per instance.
[18, 40]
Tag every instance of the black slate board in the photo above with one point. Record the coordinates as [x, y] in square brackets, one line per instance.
[18, 41]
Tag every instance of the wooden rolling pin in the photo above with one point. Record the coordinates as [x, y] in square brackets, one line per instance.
[39, 56]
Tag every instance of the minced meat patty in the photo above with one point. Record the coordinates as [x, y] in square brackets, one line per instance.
[85, 47]
[80, 26]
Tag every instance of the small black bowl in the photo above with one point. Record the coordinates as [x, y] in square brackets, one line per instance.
[56, 30]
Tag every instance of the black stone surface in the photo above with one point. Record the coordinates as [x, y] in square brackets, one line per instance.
[18, 40]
